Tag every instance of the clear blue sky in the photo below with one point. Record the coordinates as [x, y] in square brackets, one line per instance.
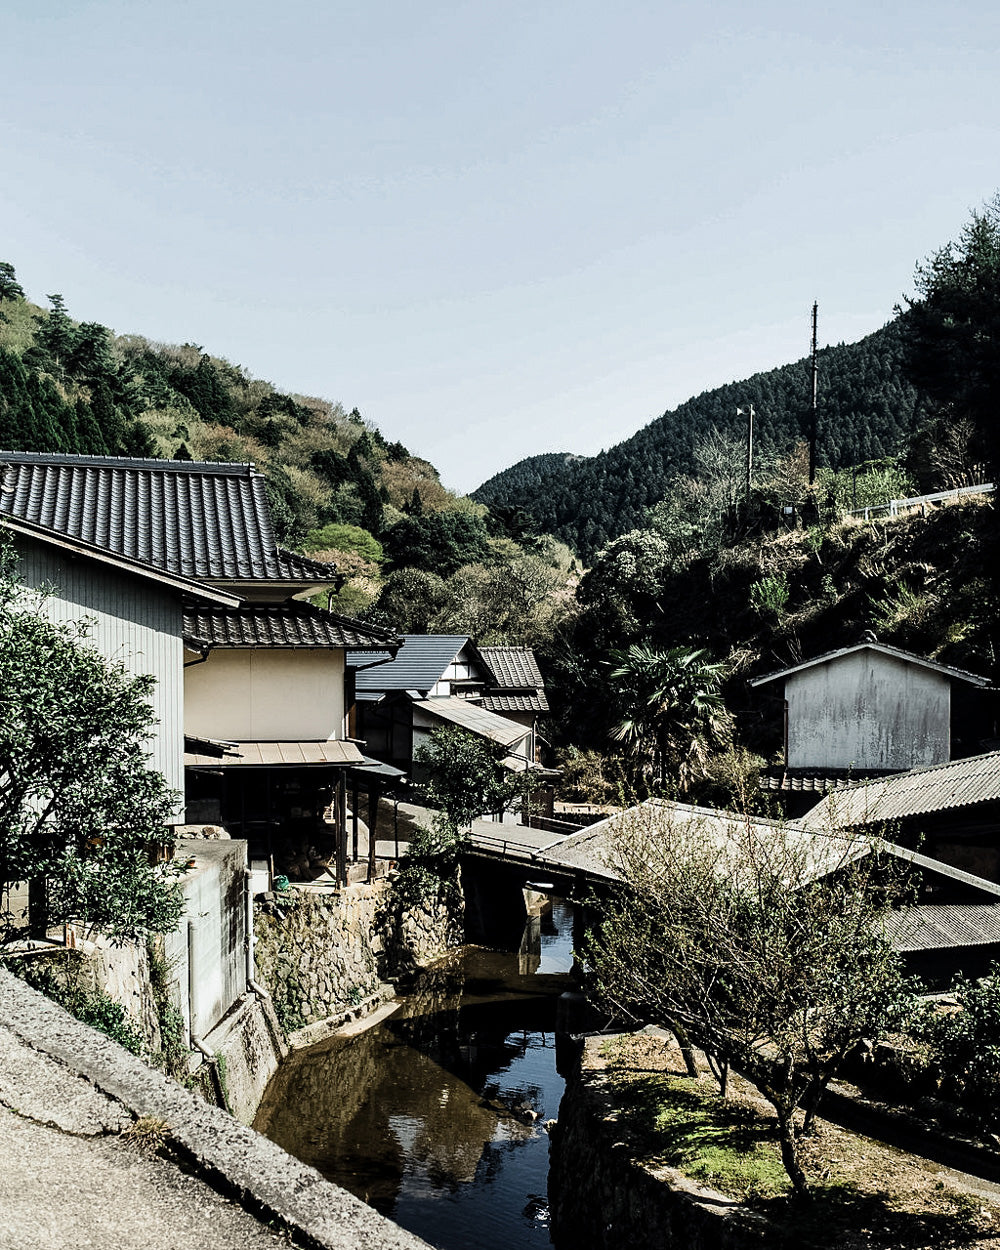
[497, 229]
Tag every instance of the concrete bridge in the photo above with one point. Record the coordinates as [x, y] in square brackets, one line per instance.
[502, 865]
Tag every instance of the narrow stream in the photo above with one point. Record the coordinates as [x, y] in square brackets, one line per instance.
[436, 1116]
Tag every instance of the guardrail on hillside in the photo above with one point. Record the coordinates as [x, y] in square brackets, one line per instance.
[895, 506]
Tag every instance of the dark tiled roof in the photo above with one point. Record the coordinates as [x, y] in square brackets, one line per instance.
[519, 685]
[514, 667]
[201, 520]
[419, 664]
[505, 702]
[940, 787]
[813, 780]
[291, 624]
[191, 590]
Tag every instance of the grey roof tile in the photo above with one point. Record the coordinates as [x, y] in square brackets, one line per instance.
[202, 520]
[419, 663]
[505, 702]
[291, 624]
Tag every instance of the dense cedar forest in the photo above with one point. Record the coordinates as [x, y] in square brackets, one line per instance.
[867, 411]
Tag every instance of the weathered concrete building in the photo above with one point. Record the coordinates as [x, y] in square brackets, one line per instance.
[868, 707]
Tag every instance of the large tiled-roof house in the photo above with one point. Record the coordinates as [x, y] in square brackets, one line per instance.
[263, 686]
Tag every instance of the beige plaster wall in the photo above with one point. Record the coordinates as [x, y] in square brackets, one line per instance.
[261, 695]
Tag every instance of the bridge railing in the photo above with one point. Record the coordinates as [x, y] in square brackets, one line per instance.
[505, 848]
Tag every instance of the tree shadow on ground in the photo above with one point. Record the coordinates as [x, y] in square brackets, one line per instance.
[839, 1216]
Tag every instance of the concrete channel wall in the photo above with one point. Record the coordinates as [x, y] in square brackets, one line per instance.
[239, 1162]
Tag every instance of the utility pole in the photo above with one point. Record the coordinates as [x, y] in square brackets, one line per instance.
[812, 419]
[749, 414]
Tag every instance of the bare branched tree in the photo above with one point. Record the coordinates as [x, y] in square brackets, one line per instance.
[760, 943]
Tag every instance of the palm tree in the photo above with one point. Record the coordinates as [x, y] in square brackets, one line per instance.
[672, 712]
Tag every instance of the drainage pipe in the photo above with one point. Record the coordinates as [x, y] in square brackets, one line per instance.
[253, 986]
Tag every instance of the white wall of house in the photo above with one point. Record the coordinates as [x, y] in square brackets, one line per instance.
[134, 622]
[266, 695]
[868, 710]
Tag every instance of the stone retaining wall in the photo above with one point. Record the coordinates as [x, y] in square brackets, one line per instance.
[321, 952]
[601, 1198]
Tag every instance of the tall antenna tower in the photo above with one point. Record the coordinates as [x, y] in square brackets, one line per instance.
[812, 410]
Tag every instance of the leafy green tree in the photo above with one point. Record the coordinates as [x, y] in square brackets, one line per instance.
[760, 945]
[953, 328]
[672, 712]
[10, 288]
[964, 1045]
[409, 601]
[56, 334]
[466, 776]
[79, 804]
[439, 542]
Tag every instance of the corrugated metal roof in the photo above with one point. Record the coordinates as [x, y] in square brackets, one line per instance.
[593, 850]
[204, 754]
[939, 787]
[930, 926]
[894, 653]
[476, 719]
[291, 624]
[419, 664]
[206, 521]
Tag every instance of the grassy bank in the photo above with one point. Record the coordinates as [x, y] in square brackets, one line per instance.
[865, 1194]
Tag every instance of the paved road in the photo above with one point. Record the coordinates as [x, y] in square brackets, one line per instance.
[75, 1174]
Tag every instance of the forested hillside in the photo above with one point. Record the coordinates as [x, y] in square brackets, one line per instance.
[74, 386]
[867, 410]
[412, 554]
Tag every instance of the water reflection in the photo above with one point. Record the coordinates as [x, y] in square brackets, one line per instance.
[436, 1116]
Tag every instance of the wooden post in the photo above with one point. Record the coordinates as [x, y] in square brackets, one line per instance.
[354, 819]
[341, 801]
[373, 800]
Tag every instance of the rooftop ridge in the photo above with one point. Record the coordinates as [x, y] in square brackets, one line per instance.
[224, 468]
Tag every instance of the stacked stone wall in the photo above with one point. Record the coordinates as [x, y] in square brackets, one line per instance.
[321, 953]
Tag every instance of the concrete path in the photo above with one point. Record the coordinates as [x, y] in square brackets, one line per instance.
[80, 1124]
[75, 1172]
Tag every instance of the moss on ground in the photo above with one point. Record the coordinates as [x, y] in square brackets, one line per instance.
[864, 1193]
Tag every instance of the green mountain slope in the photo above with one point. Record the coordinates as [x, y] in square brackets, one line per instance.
[866, 410]
[77, 387]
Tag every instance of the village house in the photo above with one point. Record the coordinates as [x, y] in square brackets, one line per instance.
[254, 678]
[867, 711]
[496, 693]
[949, 922]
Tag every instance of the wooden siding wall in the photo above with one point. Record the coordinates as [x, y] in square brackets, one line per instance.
[134, 623]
